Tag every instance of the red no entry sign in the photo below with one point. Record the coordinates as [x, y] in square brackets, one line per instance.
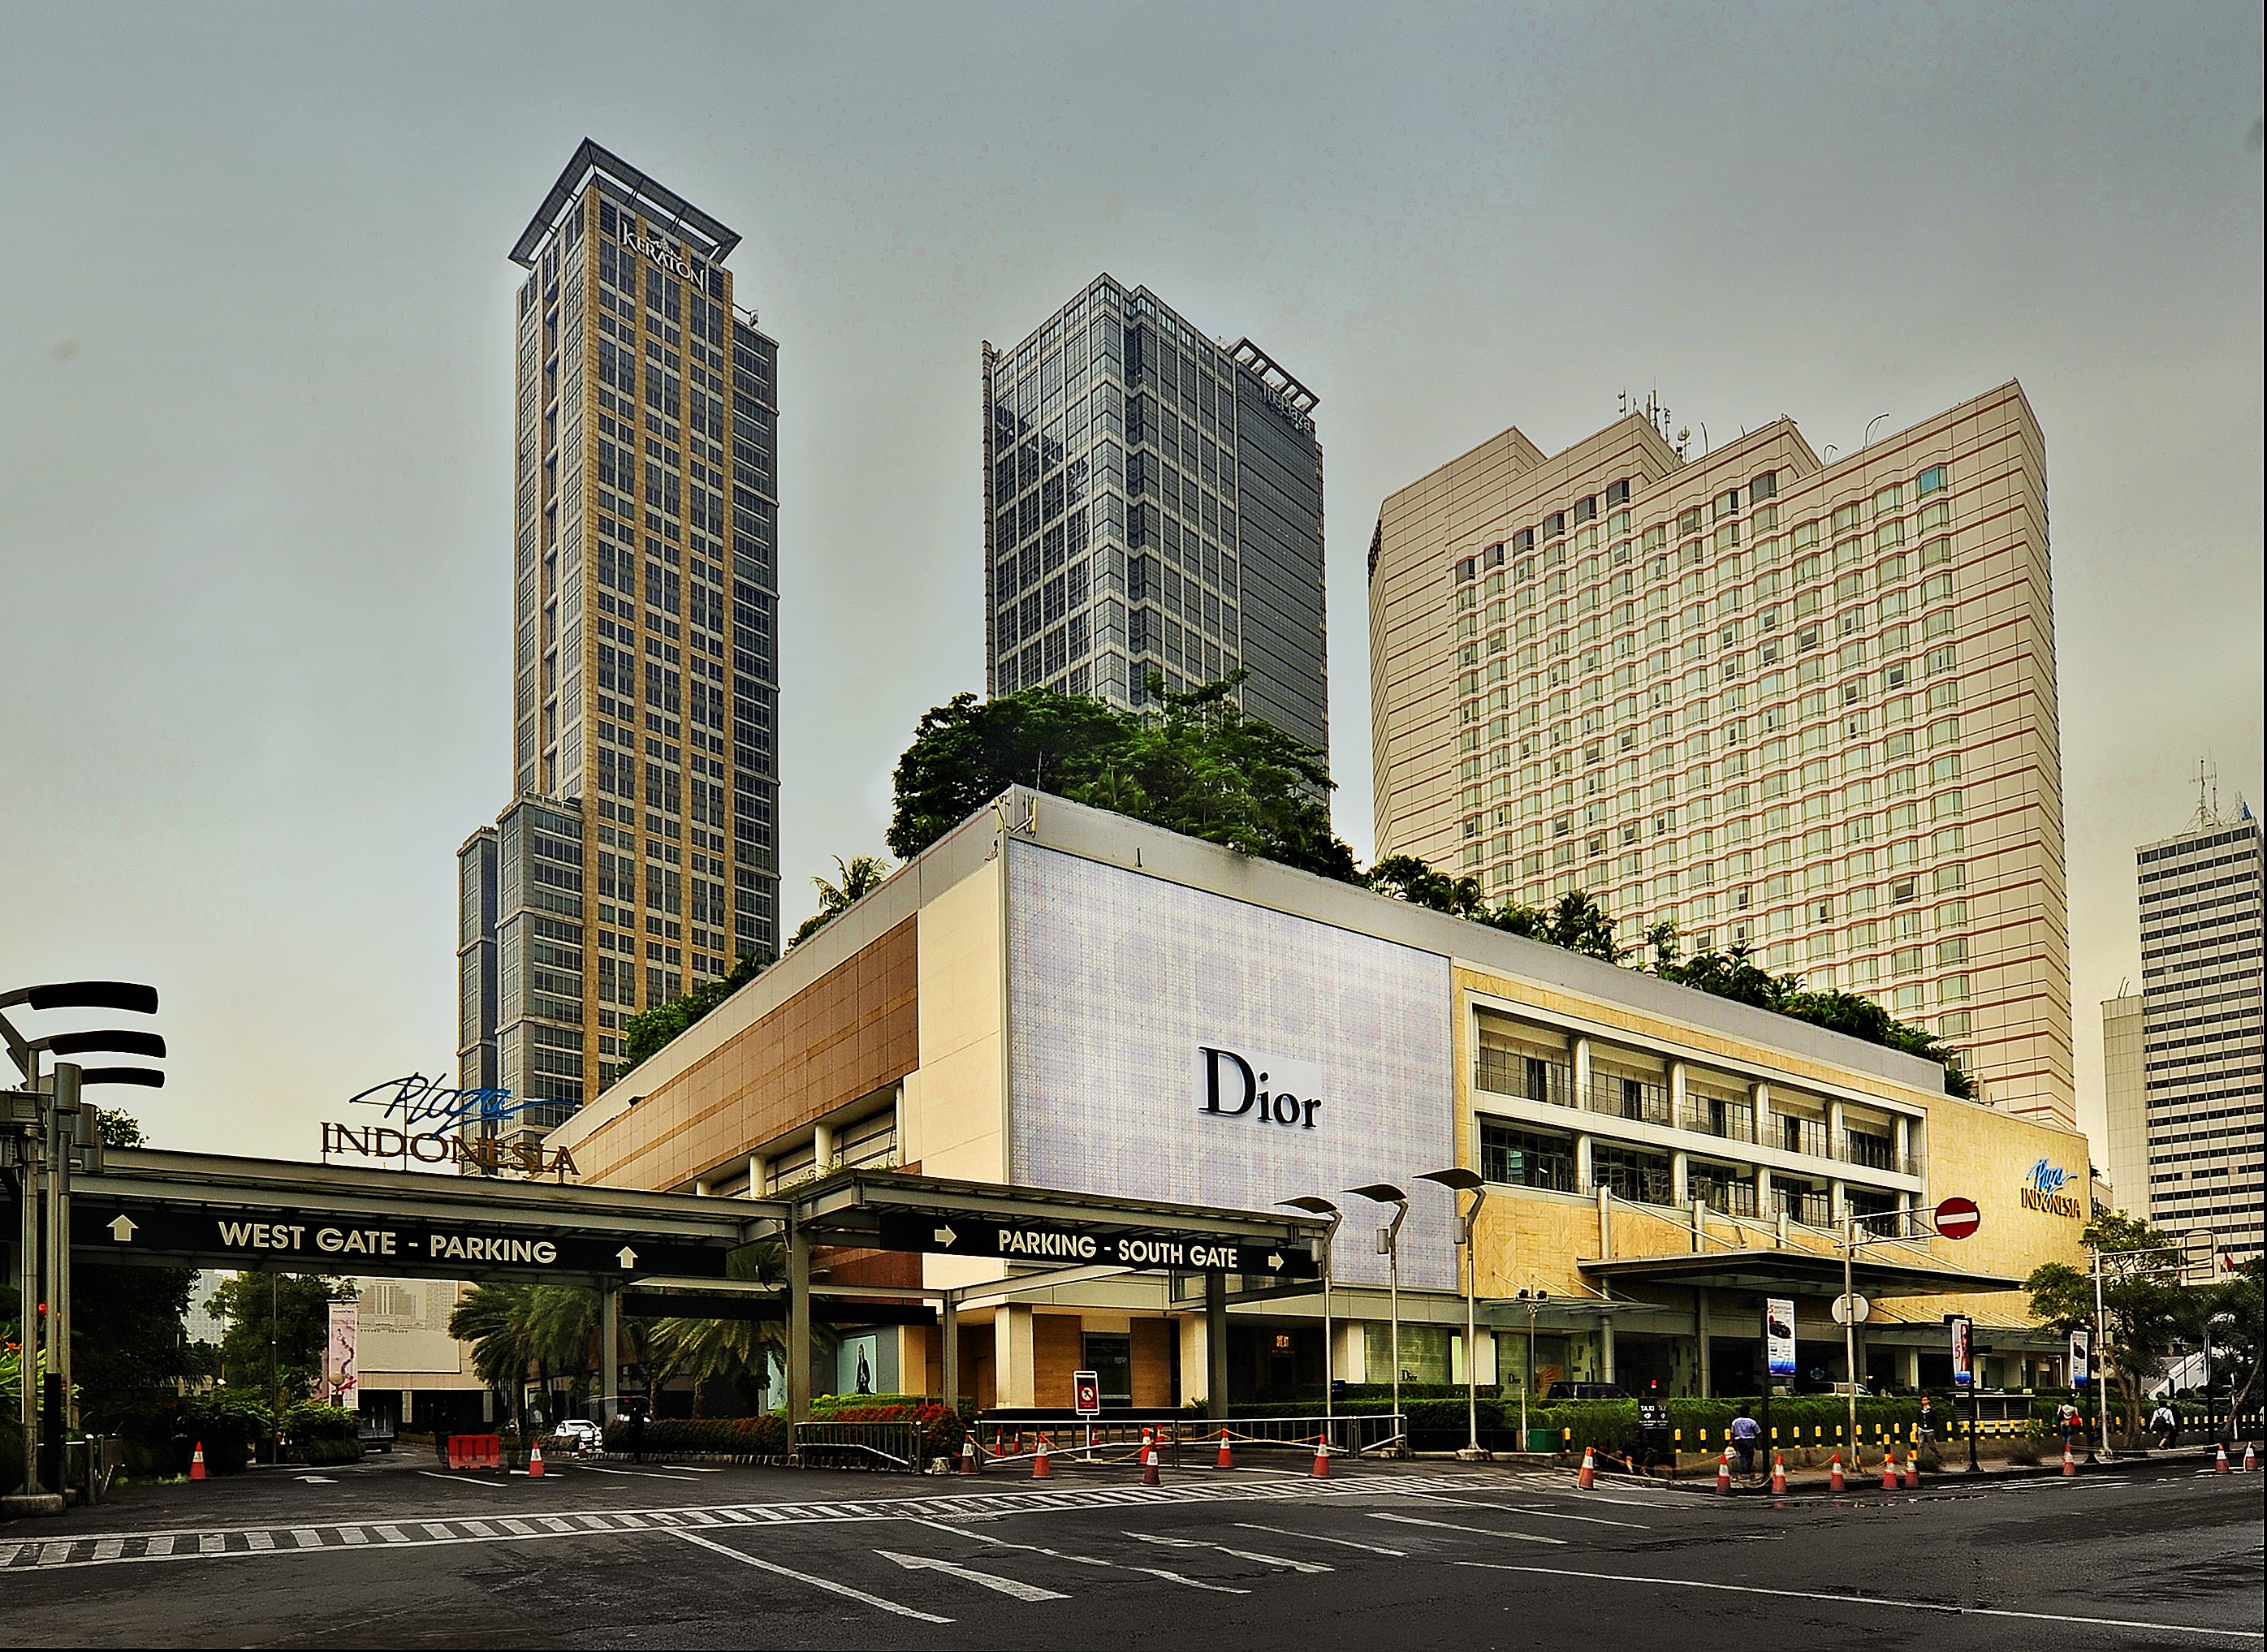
[1957, 1218]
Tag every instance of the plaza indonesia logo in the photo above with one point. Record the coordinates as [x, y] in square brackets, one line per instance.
[1265, 1091]
[2044, 1191]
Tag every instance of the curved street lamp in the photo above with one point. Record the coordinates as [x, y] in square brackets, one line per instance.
[1457, 1180]
[1388, 1243]
[1315, 1206]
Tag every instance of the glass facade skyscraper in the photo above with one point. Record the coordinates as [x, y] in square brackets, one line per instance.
[639, 856]
[1154, 506]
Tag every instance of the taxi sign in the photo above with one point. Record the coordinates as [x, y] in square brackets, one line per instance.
[1957, 1218]
[1086, 1393]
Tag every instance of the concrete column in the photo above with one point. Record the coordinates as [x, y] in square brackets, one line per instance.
[1837, 1201]
[1700, 1331]
[756, 1177]
[1837, 1143]
[1901, 1128]
[1353, 1364]
[1763, 1191]
[1680, 1177]
[798, 1325]
[1912, 1368]
[1581, 1162]
[610, 1360]
[1014, 1377]
[949, 1361]
[1677, 1094]
[1580, 1068]
[1759, 1092]
[1217, 1345]
[1606, 1348]
[822, 1149]
[1606, 1225]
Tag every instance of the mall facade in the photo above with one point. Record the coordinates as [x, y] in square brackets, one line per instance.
[1056, 997]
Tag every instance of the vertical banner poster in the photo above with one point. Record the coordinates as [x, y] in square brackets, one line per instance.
[2081, 1356]
[1963, 1366]
[339, 1352]
[1778, 1336]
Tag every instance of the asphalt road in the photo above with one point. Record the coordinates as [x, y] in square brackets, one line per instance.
[396, 1554]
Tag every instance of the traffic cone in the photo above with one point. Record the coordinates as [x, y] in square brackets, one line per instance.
[2069, 1463]
[535, 1460]
[1912, 1469]
[197, 1462]
[1322, 1469]
[1779, 1475]
[1227, 1459]
[1724, 1473]
[968, 1454]
[1834, 1481]
[1149, 1465]
[2250, 1460]
[1589, 1477]
[2219, 1461]
[1888, 1471]
[1039, 1469]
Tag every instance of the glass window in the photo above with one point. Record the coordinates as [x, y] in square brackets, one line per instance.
[1527, 1158]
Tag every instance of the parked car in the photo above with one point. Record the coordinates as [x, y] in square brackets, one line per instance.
[376, 1432]
[1587, 1390]
[578, 1434]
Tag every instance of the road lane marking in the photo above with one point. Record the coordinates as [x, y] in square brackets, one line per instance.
[1483, 1531]
[1541, 1514]
[1240, 1554]
[1002, 1543]
[391, 1534]
[108, 1549]
[1868, 1600]
[1193, 1582]
[1012, 1586]
[307, 1538]
[159, 1546]
[260, 1540]
[1316, 1536]
[826, 1584]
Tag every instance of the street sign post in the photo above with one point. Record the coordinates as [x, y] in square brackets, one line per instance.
[1086, 1399]
[1957, 1218]
[1852, 1310]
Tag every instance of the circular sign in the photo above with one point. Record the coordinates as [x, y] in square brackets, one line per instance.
[1957, 1218]
[1852, 1310]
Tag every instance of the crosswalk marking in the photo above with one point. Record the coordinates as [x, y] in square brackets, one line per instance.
[109, 1548]
[391, 1534]
[307, 1538]
[353, 1535]
[261, 1541]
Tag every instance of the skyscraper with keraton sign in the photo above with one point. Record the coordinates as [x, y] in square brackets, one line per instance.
[639, 856]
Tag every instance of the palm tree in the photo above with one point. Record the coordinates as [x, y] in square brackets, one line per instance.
[514, 1327]
[862, 876]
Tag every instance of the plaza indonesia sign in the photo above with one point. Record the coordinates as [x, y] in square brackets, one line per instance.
[2044, 1191]
[1280, 1092]
[460, 1128]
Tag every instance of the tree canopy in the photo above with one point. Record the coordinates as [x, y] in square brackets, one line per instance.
[1199, 766]
[649, 1029]
[298, 1308]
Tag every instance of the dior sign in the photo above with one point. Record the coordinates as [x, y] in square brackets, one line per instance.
[1265, 1091]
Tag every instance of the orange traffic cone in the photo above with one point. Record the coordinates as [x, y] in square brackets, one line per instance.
[1888, 1471]
[1149, 1465]
[1322, 1469]
[2219, 1461]
[1912, 1469]
[197, 1462]
[1834, 1480]
[535, 1460]
[1779, 1475]
[2069, 1463]
[968, 1454]
[1724, 1473]
[2250, 1460]
[1589, 1477]
[1227, 1459]
[1039, 1469]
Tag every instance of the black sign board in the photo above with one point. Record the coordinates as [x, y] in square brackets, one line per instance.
[301, 1242]
[1070, 1247]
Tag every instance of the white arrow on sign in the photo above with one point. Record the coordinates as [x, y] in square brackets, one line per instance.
[122, 1228]
[1014, 1586]
[626, 1257]
[945, 1236]
[1274, 1260]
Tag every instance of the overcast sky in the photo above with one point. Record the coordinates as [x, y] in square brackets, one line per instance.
[255, 387]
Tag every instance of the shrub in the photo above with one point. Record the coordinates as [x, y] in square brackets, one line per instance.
[725, 1436]
[229, 1424]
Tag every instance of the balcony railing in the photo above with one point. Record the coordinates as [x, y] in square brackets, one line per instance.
[1622, 1098]
[1798, 1134]
[1715, 1116]
[1509, 1072]
[1726, 1198]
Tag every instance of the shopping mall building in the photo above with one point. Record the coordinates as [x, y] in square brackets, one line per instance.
[1060, 998]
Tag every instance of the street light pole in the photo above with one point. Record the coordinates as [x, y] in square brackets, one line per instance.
[1389, 1240]
[1332, 1214]
[1850, 1314]
[1457, 1179]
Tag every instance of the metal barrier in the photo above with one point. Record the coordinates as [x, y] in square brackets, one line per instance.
[1014, 1437]
[882, 1446]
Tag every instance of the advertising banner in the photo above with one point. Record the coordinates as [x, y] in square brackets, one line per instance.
[2082, 1354]
[1778, 1336]
[1964, 1368]
[340, 1352]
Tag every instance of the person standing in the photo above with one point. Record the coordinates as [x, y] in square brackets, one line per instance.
[1927, 1430]
[637, 1430]
[2165, 1424]
[1746, 1433]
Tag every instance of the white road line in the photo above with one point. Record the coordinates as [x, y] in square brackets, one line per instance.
[1012, 1586]
[1541, 1514]
[108, 1549]
[1240, 1554]
[438, 1529]
[1316, 1536]
[826, 1584]
[1193, 1582]
[459, 1479]
[636, 1473]
[1872, 1600]
[391, 1534]
[1482, 1531]
[260, 1542]
[56, 1554]
[1002, 1543]
[159, 1546]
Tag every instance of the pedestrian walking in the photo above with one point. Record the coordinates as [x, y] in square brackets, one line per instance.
[1747, 1433]
[2072, 1422]
[2165, 1424]
[637, 1431]
[1927, 1430]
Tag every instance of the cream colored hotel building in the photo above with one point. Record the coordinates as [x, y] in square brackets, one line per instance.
[1806, 706]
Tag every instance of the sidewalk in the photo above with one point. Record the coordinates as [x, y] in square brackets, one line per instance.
[1817, 1478]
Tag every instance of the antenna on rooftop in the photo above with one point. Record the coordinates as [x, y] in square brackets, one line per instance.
[2207, 779]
